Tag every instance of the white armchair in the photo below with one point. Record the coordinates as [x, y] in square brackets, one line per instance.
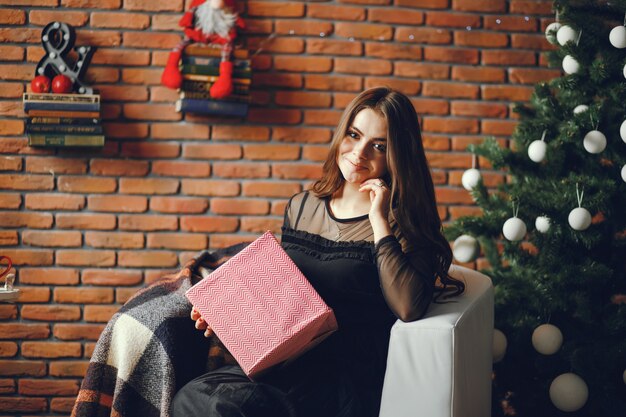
[440, 366]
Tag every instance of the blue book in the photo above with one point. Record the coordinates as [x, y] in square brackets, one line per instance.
[217, 107]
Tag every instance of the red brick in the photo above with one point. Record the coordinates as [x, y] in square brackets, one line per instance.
[447, 89]
[51, 350]
[208, 224]
[211, 151]
[167, 22]
[531, 76]
[363, 66]
[85, 221]
[86, 184]
[181, 168]
[126, 130]
[423, 35]
[422, 70]
[511, 23]
[11, 90]
[13, 367]
[271, 152]
[51, 238]
[398, 16]
[452, 196]
[150, 150]
[278, 207]
[244, 133]
[478, 74]
[508, 57]
[177, 241]
[222, 241]
[531, 7]
[277, 80]
[393, 51]
[91, 4]
[150, 40]
[115, 277]
[118, 168]
[456, 20]
[261, 224]
[43, 17]
[479, 5]
[239, 206]
[78, 331]
[281, 45]
[408, 87]
[99, 314]
[333, 83]
[328, 118]
[453, 55]
[85, 257]
[23, 331]
[480, 39]
[275, 9]
[164, 94]
[118, 203]
[315, 153]
[142, 76]
[114, 240]
[179, 131]
[423, 4]
[10, 201]
[26, 182]
[301, 28]
[7, 350]
[498, 127]
[297, 171]
[13, 16]
[51, 276]
[20, 35]
[364, 31]
[147, 222]
[480, 109]
[335, 12]
[148, 186]
[69, 368]
[302, 64]
[270, 189]
[448, 160]
[301, 134]
[150, 112]
[178, 205]
[211, 187]
[23, 404]
[459, 211]
[8, 238]
[34, 295]
[83, 295]
[504, 92]
[51, 201]
[147, 258]
[29, 257]
[11, 53]
[103, 75]
[24, 219]
[446, 125]
[50, 312]
[241, 170]
[120, 57]
[256, 26]
[120, 20]
[302, 99]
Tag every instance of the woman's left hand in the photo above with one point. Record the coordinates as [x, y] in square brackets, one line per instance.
[379, 197]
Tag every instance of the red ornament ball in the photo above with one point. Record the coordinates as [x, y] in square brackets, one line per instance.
[40, 84]
[62, 84]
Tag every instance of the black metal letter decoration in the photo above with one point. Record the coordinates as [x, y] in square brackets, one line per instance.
[58, 39]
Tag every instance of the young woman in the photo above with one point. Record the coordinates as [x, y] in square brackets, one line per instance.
[368, 238]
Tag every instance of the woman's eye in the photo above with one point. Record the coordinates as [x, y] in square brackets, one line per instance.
[380, 147]
[352, 134]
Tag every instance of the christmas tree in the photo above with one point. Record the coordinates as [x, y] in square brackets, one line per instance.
[554, 235]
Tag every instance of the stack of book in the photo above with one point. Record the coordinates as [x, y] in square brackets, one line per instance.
[63, 119]
[200, 68]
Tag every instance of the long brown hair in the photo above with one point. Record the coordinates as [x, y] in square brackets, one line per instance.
[412, 201]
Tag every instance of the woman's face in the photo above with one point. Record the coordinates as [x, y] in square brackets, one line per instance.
[362, 152]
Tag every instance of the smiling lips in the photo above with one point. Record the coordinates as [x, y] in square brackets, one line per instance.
[356, 166]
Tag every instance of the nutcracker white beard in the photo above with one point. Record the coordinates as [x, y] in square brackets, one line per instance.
[214, 21]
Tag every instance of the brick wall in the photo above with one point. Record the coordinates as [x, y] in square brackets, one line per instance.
[86, 229]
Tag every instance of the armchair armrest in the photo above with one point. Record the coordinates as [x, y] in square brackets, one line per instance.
[440, 366]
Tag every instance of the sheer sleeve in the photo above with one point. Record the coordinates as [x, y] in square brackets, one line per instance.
[407, 279]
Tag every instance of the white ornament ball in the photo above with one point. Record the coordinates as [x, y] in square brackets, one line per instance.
[570, 65]
[537, 150]
[624, 173]
[542, 224]
[624, 71]
[470, 178]
[579, 219]
[568, 392]
[551, 31]
[566, 34]
[622, 131]
[547, 339]
[594, 141]
[499, 345]
[514, 229]
[465, 248]
[581, 108]
[617, 37]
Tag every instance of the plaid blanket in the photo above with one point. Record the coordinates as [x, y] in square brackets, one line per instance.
[150, 348]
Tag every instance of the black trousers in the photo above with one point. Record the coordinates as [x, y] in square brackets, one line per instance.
[228, 392]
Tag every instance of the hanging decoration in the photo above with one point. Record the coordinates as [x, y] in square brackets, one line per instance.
[624, 173]
[617, 36]
[568, 392]
[570, 65]
[465, 248]
[471, 177]
[622, 131]
[547, 339]
[499, 345]
[579, 218]
[537, 149]
[581, 108]
[566, 34]
[542, 224]
[514, 229]
[58, 40]
[551, 32]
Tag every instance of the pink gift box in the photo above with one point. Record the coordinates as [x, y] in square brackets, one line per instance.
[262, 307]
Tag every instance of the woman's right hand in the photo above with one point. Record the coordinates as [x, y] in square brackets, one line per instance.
[200, 323]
